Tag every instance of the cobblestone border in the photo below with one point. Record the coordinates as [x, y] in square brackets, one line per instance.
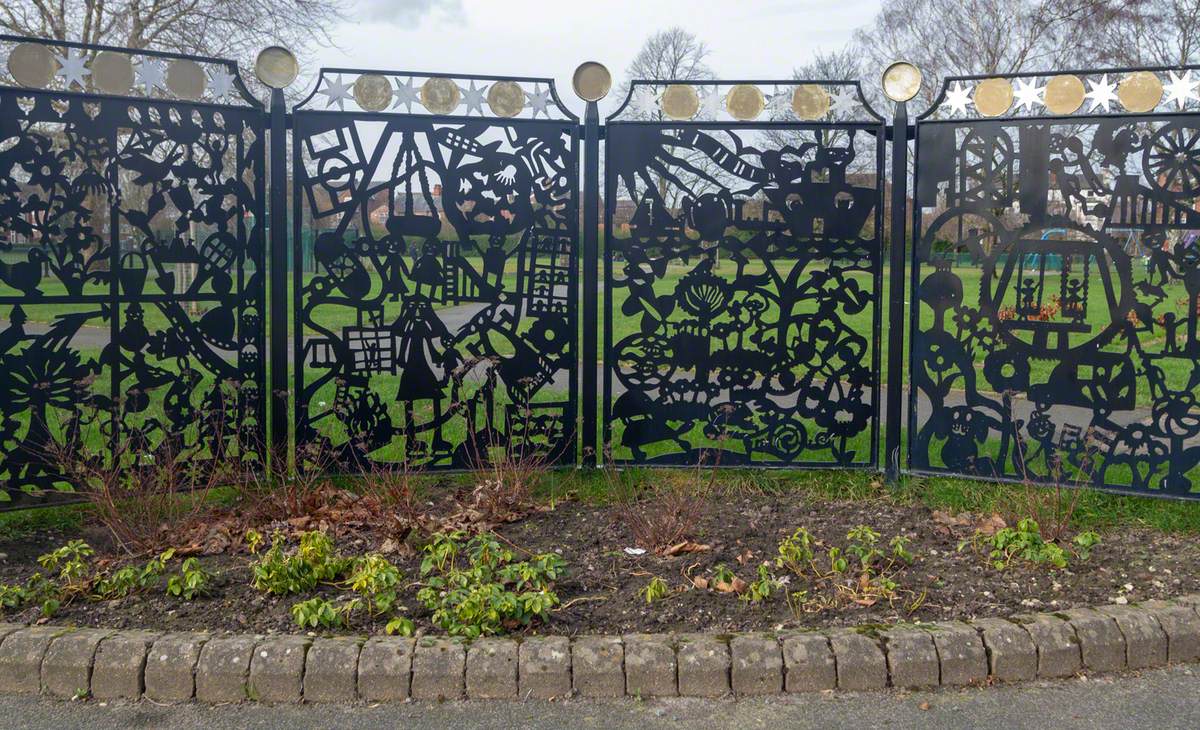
[181, 667]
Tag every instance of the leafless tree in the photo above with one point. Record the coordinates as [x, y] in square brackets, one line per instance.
[1143, 33]
[671, 54]
[235, 29]
[944, 37]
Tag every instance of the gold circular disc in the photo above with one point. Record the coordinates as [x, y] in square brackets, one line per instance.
[810, 101]
[506, 98]
[1140, 91]
[993, 97]
[591, 81]
[31, 64]
[440, 95]
[1064, 94]
[276, 67]
[185, 79]
[745, 102]
[680, 101]
[901, 81]
[373, 92]
[112, 72]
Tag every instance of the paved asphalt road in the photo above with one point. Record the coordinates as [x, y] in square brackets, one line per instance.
[1160, 699]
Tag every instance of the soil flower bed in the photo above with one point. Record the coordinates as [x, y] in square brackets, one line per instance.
[744, 561]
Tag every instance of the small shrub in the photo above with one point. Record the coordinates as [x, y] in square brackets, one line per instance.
[142, 494]
[390, 491]
[489, 591]
[667, 515]
[191, 581]
[400, 626]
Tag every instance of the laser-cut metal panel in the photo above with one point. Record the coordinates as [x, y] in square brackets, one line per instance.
[440, 324]
[742, 275]
[131, 295]
[1056, 277]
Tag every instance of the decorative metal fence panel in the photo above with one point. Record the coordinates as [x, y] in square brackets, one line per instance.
[443, 331]
[1056, 276]
[742, 275]
[131, 260]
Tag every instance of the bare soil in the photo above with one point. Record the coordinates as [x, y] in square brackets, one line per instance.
[601, 592]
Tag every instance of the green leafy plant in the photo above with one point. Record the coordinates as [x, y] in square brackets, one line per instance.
[859, 571]
[1084, 542]
[376, 580]
[129, 579]
[318, 613]
[761, 588]
[796, 551]
[861, 544]
[254, 540]
[400, 626]
[191, 581]
[70, 562]
[655, 590]
[315, 561]
[479, 588]
[1022, 542]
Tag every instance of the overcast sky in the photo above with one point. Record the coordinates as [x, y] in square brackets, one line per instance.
[749, 38]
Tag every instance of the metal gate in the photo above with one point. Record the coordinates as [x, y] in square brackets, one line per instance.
[439, 328]
[1056, 277]
[742, 274]
[131, 261]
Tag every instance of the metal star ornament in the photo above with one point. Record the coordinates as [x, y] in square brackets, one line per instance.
[539, 100]
[1028, 94]
[152, 74]
[221, 82]
[1102, 94]
[644, 103]
[406, 94]
[959, 98]
[1181, 89]
[71, 68]
[473, 98]
[712, 102]
[336, 91]
[843, 102]
[780, 102]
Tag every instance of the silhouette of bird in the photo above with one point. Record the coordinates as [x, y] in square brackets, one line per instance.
[24, 276]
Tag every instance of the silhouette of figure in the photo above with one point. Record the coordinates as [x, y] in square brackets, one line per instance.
[427, 270]
[419, 327]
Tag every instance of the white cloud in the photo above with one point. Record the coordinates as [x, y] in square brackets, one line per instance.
[406, 12]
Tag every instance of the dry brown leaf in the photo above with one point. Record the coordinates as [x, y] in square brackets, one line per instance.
[701, 583]
[300, 522]
[686, 546]
[991, 525]
[722, 587]
[739, 585]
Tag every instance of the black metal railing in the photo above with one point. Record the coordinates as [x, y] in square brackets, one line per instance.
[452, 237]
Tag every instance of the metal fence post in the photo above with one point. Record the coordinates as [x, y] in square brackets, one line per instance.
[898, 85]
[278, 272]
[277, 67]
[591, 82]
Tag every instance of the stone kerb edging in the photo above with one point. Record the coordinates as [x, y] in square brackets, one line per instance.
[180, 667]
